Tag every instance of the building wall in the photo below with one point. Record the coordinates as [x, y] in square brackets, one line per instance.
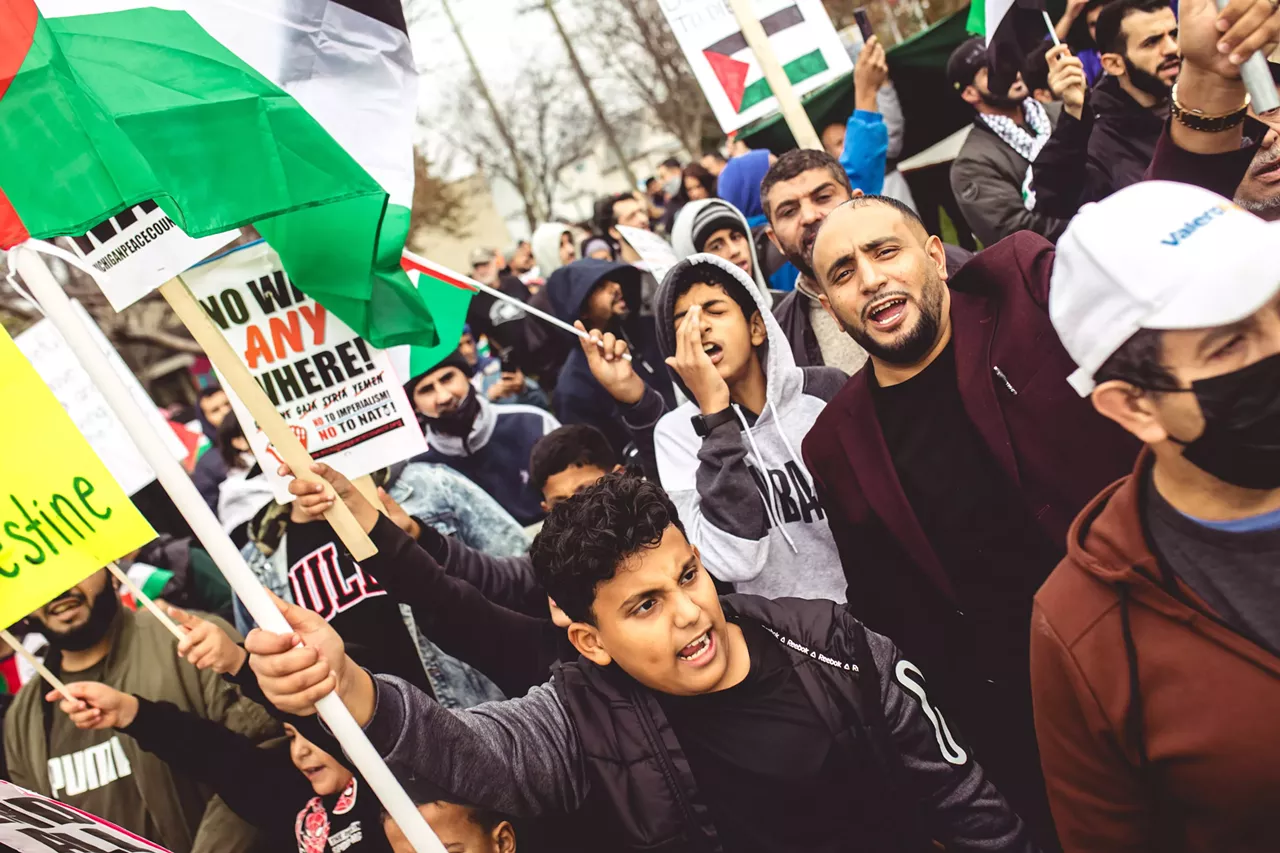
[485, 227]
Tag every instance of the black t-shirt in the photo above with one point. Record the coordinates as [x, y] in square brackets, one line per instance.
[765, 763]
[324, 578]
[975, 520]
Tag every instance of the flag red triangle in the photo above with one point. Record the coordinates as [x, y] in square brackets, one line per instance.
[731, 73]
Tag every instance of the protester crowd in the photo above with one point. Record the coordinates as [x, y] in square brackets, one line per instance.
[830, 537]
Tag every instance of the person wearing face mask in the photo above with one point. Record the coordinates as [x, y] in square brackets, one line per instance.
[1155, 644]
[1106, 136]
[488, 444]
[93, 638]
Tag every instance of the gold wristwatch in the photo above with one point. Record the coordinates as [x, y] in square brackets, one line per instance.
[1198, 121]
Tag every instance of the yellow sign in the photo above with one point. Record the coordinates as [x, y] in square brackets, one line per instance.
[62, 517]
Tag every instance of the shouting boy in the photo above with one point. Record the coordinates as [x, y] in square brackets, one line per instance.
[691, 722]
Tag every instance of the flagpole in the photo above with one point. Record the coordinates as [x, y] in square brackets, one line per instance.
[43, 670]
[174, 479]
[788, 102]
[1053, 31]
[421, 264]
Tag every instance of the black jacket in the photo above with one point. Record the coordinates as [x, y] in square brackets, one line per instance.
[579, 398]
[1108, 149]
[527, 340]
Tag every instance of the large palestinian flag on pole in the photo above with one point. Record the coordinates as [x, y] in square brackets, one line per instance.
[295, 116]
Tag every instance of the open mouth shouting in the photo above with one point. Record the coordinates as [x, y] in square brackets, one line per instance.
[886, 314]
[714, 352]
[701, 651]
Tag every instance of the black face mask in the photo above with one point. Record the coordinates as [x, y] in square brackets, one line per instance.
[458, 422]
[101, 614]
[1240, 444]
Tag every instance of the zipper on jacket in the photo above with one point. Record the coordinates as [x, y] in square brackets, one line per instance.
[668, 769]
[1005, 379]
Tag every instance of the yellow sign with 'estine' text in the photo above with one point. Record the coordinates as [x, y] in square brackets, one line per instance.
[62, 517]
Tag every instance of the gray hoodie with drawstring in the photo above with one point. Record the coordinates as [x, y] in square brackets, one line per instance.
[745, 497]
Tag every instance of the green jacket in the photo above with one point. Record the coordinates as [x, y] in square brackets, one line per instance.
[143, 661]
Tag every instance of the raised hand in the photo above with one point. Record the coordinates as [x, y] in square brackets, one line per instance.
[207, 646]
[869, 74]
[1067, 79]
[694, 367]
[297, 670]
[96, 706]
[1219, 41]
[311, 499]
[606, 357]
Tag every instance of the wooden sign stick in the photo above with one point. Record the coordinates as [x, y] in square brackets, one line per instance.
[48, 676]
[143, 599]
[282, 439]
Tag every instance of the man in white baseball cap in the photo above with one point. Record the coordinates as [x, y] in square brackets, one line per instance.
[1166, 611]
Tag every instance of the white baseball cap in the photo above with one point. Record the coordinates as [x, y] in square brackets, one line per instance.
[1157, 255]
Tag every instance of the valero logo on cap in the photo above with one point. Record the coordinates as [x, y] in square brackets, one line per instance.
[1176, 237]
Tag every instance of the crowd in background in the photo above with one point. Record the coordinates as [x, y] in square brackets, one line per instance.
[831, 537]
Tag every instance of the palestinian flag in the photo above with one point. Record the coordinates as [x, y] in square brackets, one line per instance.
[1013, 29]
[734, 64]
[449, 295]
[293, 115]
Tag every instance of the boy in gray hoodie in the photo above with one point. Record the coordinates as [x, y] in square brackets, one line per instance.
[729, 457]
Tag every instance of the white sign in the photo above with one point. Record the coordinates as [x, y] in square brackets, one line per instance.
[340, 396]
[141, 248]
[657, 254]
[30, 823]
[57, 365]
[802, 36]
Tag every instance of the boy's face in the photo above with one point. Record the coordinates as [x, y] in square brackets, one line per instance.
[441, 392]
[326, 775]
[659, 619]
[728, 339]
[457, 830]
[560, 487]
[732, 245]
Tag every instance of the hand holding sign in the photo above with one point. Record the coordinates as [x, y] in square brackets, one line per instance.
[95, 706]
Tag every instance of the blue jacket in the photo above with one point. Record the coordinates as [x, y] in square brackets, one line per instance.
[495, 456]
[579, 398]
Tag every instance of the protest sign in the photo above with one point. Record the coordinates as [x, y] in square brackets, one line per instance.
[49, 354]
[656, 253]
[30, 823]
[139, 249]
[800, 32]
[62, 516]
[339, 396]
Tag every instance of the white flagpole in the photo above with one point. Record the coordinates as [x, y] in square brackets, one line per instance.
[173, 477]
[432, 268]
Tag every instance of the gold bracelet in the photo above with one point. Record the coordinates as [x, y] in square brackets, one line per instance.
[1198, 121]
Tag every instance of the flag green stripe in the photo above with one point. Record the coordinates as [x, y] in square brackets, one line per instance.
[797, 70]
[112, 109]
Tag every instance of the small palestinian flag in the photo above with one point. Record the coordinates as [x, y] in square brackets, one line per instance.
[1013, 28]
[295, 116]
[733, 63]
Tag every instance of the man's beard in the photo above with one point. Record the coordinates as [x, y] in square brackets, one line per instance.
[802, 258]
[1145, 81]
[1267, 206]
[1001, 102]
[917, 343]
[101, 614]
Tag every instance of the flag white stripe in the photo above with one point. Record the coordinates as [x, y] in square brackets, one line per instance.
[354, 74]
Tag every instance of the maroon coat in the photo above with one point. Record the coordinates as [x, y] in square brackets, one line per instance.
[1055, 449]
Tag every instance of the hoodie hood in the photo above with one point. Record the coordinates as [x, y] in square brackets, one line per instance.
[783, 379]
[545, 243]
[569, 286]
[739, 183]
[682, 232]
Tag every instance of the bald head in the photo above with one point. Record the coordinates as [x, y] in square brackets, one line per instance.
[883, 278]
[864, 222]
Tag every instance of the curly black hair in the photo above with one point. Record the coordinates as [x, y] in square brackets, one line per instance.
[575, 444]
[587, 538]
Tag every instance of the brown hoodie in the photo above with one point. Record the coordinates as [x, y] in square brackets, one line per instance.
[1158, 725]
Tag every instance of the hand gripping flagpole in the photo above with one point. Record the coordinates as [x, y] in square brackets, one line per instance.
[1263, 96]
[57, 307]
